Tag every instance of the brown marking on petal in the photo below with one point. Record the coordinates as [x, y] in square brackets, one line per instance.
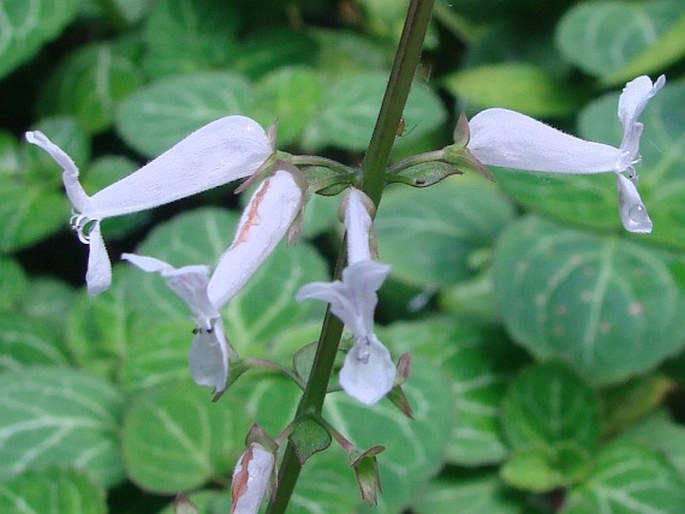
[252, 215]
[240, 479]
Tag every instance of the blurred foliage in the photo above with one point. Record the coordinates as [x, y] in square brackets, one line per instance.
[538, 326]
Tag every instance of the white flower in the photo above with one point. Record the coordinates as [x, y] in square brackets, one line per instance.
[264, 222]
[368, 373]
[224, 150]
[251, 479]
[500, 137]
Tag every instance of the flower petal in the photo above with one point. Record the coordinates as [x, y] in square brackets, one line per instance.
[630, 207]
[368, 373]
[220, 152]
[353, 299]
[263, 224]
[358, 225]
[208, 357]
[251, 479]
[500, 137]
[149, 264]
[99, 272]
[631, 103]
[78, 197]
[188, 282]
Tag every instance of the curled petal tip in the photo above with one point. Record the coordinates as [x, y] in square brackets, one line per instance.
[632, 211]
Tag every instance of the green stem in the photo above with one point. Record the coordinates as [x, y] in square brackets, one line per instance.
[375, 163]
[274, 366]
[312, 399]
[401, 76]
[316, 160]
[436, 155]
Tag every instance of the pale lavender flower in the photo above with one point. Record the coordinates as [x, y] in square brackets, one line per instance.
[500, 137]
[368, 372]
[264, 222]
[224, 150]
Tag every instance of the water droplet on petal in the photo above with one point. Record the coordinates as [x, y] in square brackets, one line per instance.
[638, 214]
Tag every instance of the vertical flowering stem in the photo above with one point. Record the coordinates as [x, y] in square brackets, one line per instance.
[374, 166]
[401, 76]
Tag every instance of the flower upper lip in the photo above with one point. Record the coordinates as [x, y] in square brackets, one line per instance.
[501, 137]
[222, 151]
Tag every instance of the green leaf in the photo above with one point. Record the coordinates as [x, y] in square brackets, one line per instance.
[303, 360]
[158, 356]
[429, 234]
[309, 437]
[291, 97]
[628, 479]
[575, 295]
[540, 470]
[342, 52]
[27, 25]
[320, 215]
[604, 37]
[551, 420]
[629, 401]
[106, 319]
[531, 470]
[89, 83]
[350, 107]
[59, 416]
[187, 36]
[522, 87]
[263, 309]
[29, 214]
[156, 117]
[265, 51]
[114, 15]
[659, 432]
[208, 501]
[660, 54]
[549, 404]
[47, 300]
[505, 42]
[10, 161]
[25, 341]
[52, 491]
[478, 363]
[327, 484]
[175, 439]
[12, 282]
[473, 299]
[477, 492]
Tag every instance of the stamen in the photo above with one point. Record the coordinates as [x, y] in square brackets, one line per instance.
[362, 348]
[631, 174]
[81, 224]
